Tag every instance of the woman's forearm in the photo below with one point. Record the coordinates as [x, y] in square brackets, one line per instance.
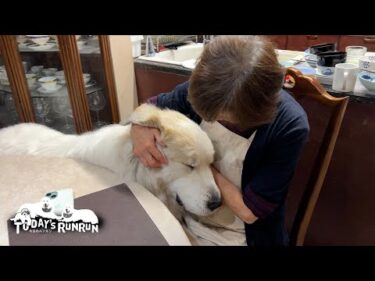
[232, 197]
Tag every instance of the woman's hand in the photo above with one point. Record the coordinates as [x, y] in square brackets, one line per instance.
[144, 146]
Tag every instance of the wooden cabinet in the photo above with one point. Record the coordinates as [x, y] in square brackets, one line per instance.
[151, 82]
[351, 40]
[280, 41]
[302, 42]
[66, 82]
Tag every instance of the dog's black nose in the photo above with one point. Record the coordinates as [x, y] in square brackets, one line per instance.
[214, 203]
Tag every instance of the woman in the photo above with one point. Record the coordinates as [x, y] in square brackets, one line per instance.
[258, 130]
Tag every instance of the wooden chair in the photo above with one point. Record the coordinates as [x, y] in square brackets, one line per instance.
[324, 130]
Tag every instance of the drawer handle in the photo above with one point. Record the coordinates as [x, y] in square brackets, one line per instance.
[313, 37]
[369, 40]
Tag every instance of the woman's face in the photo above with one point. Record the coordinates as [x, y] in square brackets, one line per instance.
[225, 116]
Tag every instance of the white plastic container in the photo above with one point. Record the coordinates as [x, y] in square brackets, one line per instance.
[136, 42]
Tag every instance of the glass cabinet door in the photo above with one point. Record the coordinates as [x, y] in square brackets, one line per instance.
[94, 79]
[45, 78]
[8, 113]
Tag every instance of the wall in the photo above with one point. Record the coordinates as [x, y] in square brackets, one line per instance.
[122, 59]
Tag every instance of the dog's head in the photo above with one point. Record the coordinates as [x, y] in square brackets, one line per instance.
[67, 212]
[187, 177]
[46, 204]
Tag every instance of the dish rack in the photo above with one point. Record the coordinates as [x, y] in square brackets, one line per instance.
[160, 40]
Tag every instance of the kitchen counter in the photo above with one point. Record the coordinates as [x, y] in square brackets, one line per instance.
[359, 95]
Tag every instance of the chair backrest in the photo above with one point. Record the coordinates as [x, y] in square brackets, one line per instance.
[325, 114]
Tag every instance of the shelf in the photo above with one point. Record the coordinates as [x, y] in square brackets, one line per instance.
[61, 92]
[89, 48]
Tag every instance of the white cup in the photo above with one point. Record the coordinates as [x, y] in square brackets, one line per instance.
[345, 77]
[354, 53]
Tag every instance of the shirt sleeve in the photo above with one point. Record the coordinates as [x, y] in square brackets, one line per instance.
[176, 100]
[269, 187]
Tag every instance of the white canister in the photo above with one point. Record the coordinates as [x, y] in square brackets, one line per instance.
[367, 63]
[345, 77]
[136, 45]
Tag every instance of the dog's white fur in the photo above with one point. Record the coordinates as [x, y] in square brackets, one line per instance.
[186, 146]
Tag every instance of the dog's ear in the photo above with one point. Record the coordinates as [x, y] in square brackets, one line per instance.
[146, 115]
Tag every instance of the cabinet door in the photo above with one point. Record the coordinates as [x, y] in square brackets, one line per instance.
[8, 111]
[302, 42]
[98, 79]
[46, 81]
[279, 40]
[153, 82]
[350, 40]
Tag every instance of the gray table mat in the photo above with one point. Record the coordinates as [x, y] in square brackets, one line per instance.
[122, 221]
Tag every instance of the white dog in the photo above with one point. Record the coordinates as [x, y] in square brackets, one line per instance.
[72, 215]
[185, 183]
[23, 216]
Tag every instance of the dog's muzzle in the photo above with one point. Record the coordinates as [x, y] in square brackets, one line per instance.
[66, 215]
[46, 210]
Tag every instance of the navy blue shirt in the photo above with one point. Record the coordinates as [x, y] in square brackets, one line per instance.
[269, 164]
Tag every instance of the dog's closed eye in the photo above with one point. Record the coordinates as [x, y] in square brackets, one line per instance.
[190, 166]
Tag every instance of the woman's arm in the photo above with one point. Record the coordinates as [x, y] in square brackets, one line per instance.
[232, 197]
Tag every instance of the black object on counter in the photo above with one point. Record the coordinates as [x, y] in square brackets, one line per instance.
[324, 47]
[330, 59]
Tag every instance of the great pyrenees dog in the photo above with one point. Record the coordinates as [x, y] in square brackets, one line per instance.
[185, 184]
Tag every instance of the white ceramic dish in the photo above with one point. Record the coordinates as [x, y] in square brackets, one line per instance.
[39, 39]
[52, 90]
[44, 47]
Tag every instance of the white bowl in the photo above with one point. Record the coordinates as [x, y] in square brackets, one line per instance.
[4, 81]
[39, 39]
[48, 82]
[36, 68]
[37, 47]
[59, 73]
[368, 80]
[326, 70]
[49, 71]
